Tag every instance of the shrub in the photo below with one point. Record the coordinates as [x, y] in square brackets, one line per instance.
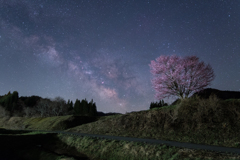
[196, 110]
[4, 112]
[29, 112]
[158, 105]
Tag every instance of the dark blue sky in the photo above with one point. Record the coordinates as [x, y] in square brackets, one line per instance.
[101, 50]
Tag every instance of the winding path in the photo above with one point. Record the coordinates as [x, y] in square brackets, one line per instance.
[156, 142]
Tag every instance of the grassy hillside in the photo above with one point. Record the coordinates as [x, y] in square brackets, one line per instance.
[203, 121]
[211, 121]
[45, 123]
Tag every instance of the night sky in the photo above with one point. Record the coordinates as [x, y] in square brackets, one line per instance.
[101, 49]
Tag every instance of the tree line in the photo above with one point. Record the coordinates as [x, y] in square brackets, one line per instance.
[35, 106]
[158, 104]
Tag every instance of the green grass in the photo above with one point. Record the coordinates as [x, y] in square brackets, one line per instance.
[211, 122]
[121, 150]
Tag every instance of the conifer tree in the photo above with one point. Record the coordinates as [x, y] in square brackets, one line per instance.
[15, 96]
[80, 107]
[9, 104]
[158, 104]
[91, 102]
[77, 107]
[92, 110]
[84, 107]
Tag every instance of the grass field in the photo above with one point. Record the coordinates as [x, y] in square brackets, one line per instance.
[210, 121]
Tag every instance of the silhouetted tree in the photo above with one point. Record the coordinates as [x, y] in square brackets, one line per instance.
[43, 107]
[76, 107]
[84, 105]
[58, 107]
[93, 109]
[158, 105]
[29, 112]
[9, 103]
[70, 107]
[15, 96]
[85, 108]
[31, 101]
[3, 112]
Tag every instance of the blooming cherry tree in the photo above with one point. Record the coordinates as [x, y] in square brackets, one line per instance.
[179, 76]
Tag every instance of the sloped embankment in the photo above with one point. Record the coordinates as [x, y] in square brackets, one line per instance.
[45, 123]
[210, 122]
[15, 137]
[135, 124]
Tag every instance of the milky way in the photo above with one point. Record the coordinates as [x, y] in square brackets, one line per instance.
[101, 50]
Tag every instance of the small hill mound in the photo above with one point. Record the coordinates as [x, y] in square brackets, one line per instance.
[223, 95]
[205, 94]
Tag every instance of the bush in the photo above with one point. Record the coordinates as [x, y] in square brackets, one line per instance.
[177, 101]
[158, 105]
[4, 112]
[196, 110]
[29, 112]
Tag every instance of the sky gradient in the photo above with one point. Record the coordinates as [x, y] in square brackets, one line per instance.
[101, 50]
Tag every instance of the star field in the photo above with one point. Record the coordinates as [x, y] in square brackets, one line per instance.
[101, 50]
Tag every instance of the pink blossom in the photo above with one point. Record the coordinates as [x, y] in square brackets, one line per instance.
[177, 76]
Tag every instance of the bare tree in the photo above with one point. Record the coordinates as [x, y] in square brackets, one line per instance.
[59, 107]
[3, 112]
[47, 107]
[29, 112]
[43, 107]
